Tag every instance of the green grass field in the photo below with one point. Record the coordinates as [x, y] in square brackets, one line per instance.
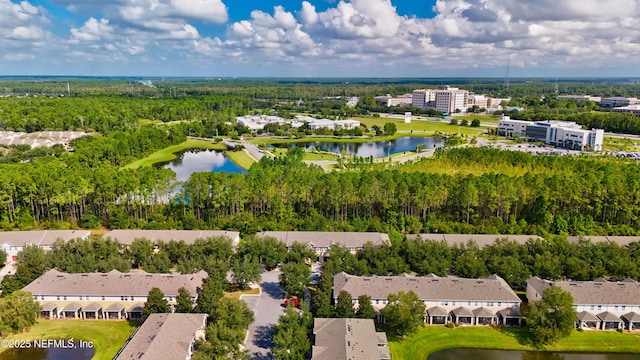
[107, 336]
[422, 127]
[434, 338]
[241, 158]
[168, 153]
[308, 155]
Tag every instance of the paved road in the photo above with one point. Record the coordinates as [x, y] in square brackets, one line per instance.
[267, 310]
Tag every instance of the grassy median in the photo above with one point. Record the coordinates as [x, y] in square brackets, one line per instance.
[241, 158]
[434, 338]
[107, 336]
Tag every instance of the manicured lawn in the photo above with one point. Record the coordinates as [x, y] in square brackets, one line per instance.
[107, 336]
[422, 127]
[433, 338]
[241, 158]
[168, 153]
[237, 294]
[308, 155]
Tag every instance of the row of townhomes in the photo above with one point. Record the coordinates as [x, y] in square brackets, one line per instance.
[353, 339]
[447, 299]
[113, 295]
[165, 336]
[15, 241]
[601, 304]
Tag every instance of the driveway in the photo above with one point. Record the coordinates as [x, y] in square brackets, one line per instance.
[266, 309]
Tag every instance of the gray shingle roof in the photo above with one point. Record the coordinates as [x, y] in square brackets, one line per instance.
[126, 237]
[607, 316]
[40, 237]
[353, 339]
[92, 307]
[49, 306]
[326, 239]
[483, 312]
[427, 288]
[163, 336]
[481, 240]
[437, 311]
[587, 316]
[594, 292]
[72, 307]
[462, 312]
[115, 307]
[632, 316]
[114, 283]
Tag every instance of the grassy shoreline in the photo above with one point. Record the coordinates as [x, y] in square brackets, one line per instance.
[107, 336]
[241, 158]
[431, 339]
[168, 153]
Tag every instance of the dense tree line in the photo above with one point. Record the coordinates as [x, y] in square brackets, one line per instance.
[534, 194]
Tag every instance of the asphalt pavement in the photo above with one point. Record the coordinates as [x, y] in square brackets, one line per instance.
[266, 309]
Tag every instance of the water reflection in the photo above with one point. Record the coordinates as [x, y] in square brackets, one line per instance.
[52, 353]
[482, 354]
[199, 160]
[376, 149]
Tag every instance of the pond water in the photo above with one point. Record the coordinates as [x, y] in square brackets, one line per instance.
[199, 160]
[377, 149]
[52, 353]
[482, 354]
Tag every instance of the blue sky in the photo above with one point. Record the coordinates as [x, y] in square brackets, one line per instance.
[320, 38]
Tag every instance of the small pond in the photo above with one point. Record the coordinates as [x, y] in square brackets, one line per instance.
[52, 353]
[482, 354]
[377, 149]
[199, 160]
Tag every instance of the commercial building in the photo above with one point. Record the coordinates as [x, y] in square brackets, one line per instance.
[112, 295]
[423, 98]
[165, 337]
[12, 242]
[389, 101]
[618, 101]
[558, 133]
[580, 97]
[451, 99]
[600, 304]
[258, 122]
[348, 339]
[633, 109]
[321, 241]
[463, 301]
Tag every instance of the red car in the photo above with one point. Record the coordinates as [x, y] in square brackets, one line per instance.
[293, 301]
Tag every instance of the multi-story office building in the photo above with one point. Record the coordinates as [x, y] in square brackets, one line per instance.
[633, 109]
[618, 101]
[558, 133]
[451, 99]
[424, 98]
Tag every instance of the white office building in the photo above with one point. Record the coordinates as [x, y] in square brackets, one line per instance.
[424, 98]
[633, 109]
[451, 99]
[558, 133]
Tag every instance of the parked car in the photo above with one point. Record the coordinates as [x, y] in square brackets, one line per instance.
[292, 300]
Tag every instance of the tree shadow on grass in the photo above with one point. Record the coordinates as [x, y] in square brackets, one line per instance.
[521, 335]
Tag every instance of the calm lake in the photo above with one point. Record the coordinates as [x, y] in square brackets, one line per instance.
[200, 160]
[376, 149]
[481, 354]
[48, 354]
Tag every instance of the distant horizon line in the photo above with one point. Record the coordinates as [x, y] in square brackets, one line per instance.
[228, 77]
